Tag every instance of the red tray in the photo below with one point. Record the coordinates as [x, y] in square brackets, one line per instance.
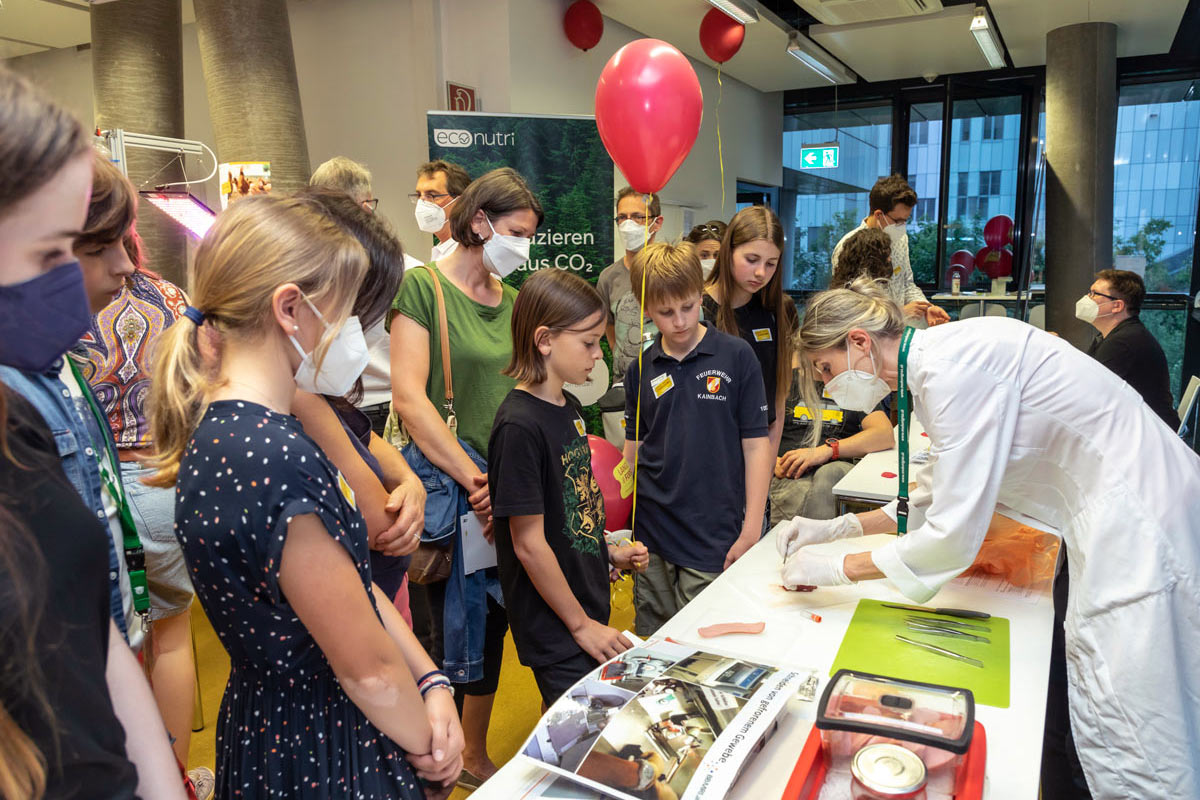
[809, 774]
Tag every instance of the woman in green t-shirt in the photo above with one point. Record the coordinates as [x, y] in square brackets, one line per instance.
[493, 221]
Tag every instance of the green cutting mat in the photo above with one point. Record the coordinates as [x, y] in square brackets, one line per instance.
[870, 646]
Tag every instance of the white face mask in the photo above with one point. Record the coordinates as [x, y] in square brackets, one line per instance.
[344, 362]
[707, 265]
[431, 217]
[503, 253]
[633, 234]
[896, 232]
[855, 390]
[1088, 310]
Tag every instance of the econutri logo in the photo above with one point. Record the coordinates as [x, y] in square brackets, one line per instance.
[457, 137]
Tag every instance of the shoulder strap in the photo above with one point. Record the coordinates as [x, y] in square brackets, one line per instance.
[444, 335]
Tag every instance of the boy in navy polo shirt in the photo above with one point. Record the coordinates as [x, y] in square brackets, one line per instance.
[704, 459]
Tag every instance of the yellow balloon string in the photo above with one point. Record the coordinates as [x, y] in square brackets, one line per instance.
[720, 151]
[637, 417]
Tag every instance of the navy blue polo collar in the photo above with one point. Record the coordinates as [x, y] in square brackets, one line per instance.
[707, 346]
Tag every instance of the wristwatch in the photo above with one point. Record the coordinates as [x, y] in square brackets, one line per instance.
[833, 445]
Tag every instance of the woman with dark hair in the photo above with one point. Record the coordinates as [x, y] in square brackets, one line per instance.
[493, 221]
[77, 718]
[707, 238]
[389, 494]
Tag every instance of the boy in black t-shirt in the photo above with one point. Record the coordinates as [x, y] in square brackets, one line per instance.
[553, 559]
[700, 436]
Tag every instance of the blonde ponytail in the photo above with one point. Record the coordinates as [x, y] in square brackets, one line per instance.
[257, 245]
[828, 318]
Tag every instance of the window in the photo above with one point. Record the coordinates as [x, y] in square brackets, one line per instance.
[925, 175]
[823, 205]
[985, 156]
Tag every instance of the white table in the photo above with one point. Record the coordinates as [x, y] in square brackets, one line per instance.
[865, 483]
[743, 594]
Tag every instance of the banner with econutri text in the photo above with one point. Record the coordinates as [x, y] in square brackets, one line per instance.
[565, 164]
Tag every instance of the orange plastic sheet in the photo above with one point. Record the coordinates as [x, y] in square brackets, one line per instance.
[1024, 556]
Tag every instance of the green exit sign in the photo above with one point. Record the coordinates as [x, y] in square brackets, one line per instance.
[822, 156]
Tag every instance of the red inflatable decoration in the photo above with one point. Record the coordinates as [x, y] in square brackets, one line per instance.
[998, 231]
[648, 110]
[964, 259]
[615, 477]
[721, 36]
[583, 24]
[994, 263]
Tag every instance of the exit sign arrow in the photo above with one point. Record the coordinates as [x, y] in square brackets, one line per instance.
[822, 156]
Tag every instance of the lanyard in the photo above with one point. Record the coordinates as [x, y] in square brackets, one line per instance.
[905, 419]
[135, 556]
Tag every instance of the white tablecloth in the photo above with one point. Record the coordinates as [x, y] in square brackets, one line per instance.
[744, 594]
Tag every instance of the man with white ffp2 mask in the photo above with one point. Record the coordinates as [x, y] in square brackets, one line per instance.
[637, 224]
[892, 204]
[439, 185]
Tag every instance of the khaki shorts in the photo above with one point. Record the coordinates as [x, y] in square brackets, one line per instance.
[661, 590]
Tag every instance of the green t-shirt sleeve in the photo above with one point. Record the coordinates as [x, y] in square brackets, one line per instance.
[416, 299]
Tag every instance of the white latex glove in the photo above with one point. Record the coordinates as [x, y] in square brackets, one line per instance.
[792, 534]
[808, 568]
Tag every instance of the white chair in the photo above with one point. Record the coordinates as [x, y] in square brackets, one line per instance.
[1187, 402]
[991, 310]
[1037, 317]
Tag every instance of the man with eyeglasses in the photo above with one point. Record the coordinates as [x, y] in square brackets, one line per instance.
[1113, 306]
[439, 184]
[892, 203]
[637, 224]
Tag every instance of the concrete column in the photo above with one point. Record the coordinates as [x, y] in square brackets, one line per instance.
[137, 69]
[1081, 130]
[253, 96]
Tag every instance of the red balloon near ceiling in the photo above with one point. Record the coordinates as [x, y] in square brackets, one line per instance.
[998, 231]
[583, 24]
[648, 111]
[993, 262]
[615, 478]
[720, 35]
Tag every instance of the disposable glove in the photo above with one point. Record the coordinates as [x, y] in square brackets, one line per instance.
[808, 568]
[792, 534]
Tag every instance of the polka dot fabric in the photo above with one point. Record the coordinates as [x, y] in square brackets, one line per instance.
[286, 728]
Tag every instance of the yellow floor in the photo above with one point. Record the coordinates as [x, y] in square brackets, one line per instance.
[518, 704]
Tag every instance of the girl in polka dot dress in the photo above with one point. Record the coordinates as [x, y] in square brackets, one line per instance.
[329, 694]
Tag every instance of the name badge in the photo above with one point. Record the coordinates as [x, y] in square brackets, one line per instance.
[579, 427]
[762, 334]
[661, 384]
[347, 492]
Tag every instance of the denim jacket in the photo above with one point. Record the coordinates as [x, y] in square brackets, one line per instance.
[464, 620]
[76, 433]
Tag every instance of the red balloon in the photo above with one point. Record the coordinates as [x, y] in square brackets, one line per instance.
[720, 35]
[998, 231]
[583, 24]
[963, 258]
[615, 477]
[648, 110]
[994, 263]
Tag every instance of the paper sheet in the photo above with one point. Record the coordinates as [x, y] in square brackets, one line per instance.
[478, 553]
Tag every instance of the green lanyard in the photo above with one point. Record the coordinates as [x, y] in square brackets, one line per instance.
[135, 556]
[905, 418]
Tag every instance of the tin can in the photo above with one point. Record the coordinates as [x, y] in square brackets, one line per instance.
[887, 772]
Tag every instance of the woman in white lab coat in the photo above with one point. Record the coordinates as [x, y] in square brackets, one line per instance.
[1019, 417]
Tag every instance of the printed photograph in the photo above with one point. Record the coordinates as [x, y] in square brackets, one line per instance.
[572, 724]
[741, 678]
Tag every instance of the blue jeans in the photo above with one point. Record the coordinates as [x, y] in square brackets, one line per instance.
[154, 514]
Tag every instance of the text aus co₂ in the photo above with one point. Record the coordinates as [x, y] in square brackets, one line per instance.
[572, 261]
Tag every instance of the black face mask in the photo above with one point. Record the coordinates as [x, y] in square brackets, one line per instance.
[42, 318]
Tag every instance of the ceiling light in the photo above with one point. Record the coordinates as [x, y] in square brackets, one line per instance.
[811, 55]
[741, 10]
[185, 209]
[983, 27]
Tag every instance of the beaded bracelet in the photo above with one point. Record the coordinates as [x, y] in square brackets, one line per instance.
[436, 685]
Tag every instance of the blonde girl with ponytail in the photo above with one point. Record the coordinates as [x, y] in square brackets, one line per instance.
[329, 693]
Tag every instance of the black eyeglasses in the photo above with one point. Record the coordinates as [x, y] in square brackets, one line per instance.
[372, 203]
[1092, 293]
[431, 197]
